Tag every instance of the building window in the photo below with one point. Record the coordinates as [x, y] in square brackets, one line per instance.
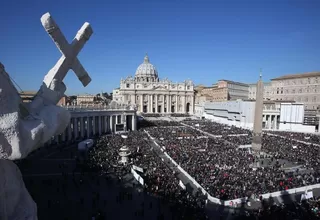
[137, 97]
[188, 87]
[128, 85]
[293, 91]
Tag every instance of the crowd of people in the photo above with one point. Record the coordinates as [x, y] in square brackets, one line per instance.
[215, 161]
[225, 171]
[159, 180]
[305, 137]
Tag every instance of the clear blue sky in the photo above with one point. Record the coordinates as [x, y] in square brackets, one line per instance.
[201, 40]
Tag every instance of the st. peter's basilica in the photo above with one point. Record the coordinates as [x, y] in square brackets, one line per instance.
[153, 95]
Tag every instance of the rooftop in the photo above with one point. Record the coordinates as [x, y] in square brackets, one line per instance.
[233, 82]
[27, 93]
[298, 75]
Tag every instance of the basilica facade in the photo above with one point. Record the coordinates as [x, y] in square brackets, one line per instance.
[150, 94]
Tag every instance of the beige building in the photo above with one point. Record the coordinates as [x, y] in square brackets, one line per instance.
[302, 88]
[28, 96]
[150, 94]
[223, 90]
[267, 91]
[86, 99]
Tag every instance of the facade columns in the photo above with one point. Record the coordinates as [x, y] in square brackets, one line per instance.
[183, 110]
[162, 106]
[156, 103]
[149, 104]
[152, 103]
[141, 103]
[75, 128]
[176, 108]
[170, 103]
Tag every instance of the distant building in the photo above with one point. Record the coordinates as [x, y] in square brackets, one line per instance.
[28, 96]
[277, 115]
[267, 91]
[236, 90]
[302, 88]
[86, 99]
[223, 90]
[152, 95]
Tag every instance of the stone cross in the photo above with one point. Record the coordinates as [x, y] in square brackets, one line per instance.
[69, 52]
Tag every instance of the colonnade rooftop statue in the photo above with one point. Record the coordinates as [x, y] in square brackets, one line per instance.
[24, 128]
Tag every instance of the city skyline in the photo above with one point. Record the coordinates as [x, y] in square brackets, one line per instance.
[202, 42]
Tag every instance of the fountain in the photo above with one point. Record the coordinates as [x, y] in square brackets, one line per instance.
[124, 153]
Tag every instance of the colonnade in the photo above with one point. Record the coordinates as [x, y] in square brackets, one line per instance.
[88, 124]
[270, 121]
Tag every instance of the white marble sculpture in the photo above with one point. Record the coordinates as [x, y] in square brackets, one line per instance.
[24, 128]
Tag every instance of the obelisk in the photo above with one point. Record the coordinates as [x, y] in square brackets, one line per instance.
[257, 124]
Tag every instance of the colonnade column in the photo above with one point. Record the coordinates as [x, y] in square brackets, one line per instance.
[69, 131]
[134, 123]
[270, 122]
[99, 124]
[94, 130]
[89, 126]
[111, 123]
[75, 128]
[105, 122]
[124, 121]
[82, 127]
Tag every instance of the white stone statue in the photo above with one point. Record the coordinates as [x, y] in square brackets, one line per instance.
[24, 128]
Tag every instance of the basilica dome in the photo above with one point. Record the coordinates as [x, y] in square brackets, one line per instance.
[146, 69]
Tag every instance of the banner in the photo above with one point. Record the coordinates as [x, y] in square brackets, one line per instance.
[137, 168]
[182, 185]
